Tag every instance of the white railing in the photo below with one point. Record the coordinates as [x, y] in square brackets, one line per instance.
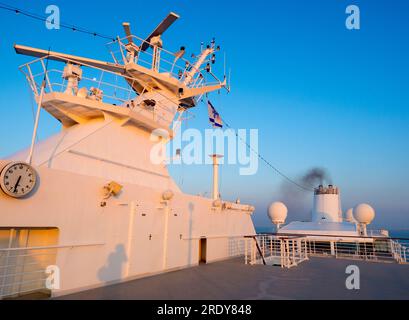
[369, 248]
[400, 250]
[23, 270]
[167, 63]
[115, 89]
[275, 250]
[288, 250]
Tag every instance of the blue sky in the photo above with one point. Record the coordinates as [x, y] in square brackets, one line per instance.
[320, 95]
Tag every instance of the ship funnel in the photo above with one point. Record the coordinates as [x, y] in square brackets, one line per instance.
[327, 204]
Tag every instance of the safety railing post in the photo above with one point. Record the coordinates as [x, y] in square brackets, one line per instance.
[306, 249]
[46, 75]
[400, 253]
[32, 80]
[281, 253]
[245, 251]
[391, 248]
[253, 252]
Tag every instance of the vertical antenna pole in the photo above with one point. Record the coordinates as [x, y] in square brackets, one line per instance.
[224, 66]
[229, 79]
[215, 178]
[40, 102]
[216, 158]
[33, 138]
[122, 51]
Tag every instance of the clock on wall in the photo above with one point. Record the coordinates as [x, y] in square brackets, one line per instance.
[18, 179]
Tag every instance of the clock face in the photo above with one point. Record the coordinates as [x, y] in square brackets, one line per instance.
[18, 179]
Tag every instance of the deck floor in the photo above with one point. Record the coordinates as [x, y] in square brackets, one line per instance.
[318, 278]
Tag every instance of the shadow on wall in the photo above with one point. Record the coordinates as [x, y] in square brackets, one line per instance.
[112, 270]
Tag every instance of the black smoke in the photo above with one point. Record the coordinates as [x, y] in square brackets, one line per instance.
[315, 177]
[299, 201]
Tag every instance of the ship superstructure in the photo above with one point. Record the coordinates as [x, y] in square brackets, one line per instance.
[327, 219]
[329, 233]
[100, 210]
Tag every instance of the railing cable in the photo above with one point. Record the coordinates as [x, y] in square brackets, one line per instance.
[69, 26]
[268, 163]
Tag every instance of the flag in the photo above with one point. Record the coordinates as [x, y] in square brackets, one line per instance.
[214, 116]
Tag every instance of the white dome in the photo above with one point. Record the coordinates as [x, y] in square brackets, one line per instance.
[349, 215]
[364, 213]
[277, 212]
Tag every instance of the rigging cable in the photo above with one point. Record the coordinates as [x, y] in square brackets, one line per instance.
[69, 26]
[268, 163]
[96, 34]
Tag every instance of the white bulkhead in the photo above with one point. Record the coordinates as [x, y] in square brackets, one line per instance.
[146, 225]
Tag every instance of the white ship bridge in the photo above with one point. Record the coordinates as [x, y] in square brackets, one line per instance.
[89, 199]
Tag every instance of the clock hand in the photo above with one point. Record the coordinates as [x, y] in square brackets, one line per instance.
[17, 183]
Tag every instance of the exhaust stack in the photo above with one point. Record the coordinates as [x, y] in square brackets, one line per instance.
[327, 204]
[216, 158]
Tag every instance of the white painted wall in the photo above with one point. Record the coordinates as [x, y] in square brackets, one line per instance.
[103, 148]
[127, 237]
[71, 202]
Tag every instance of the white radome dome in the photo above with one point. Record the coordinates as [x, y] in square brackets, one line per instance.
[364, 213]
[349, 215]
[277, 212]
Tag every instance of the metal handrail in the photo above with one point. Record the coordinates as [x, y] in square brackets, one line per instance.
[19, 274]
[28, 64]
[374, 249]
[172, 65]
[377, 249]
[181, 65]
[266, 249]
[75, 245]
[124, 91]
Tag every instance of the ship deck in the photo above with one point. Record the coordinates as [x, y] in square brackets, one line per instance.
[318, 278]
